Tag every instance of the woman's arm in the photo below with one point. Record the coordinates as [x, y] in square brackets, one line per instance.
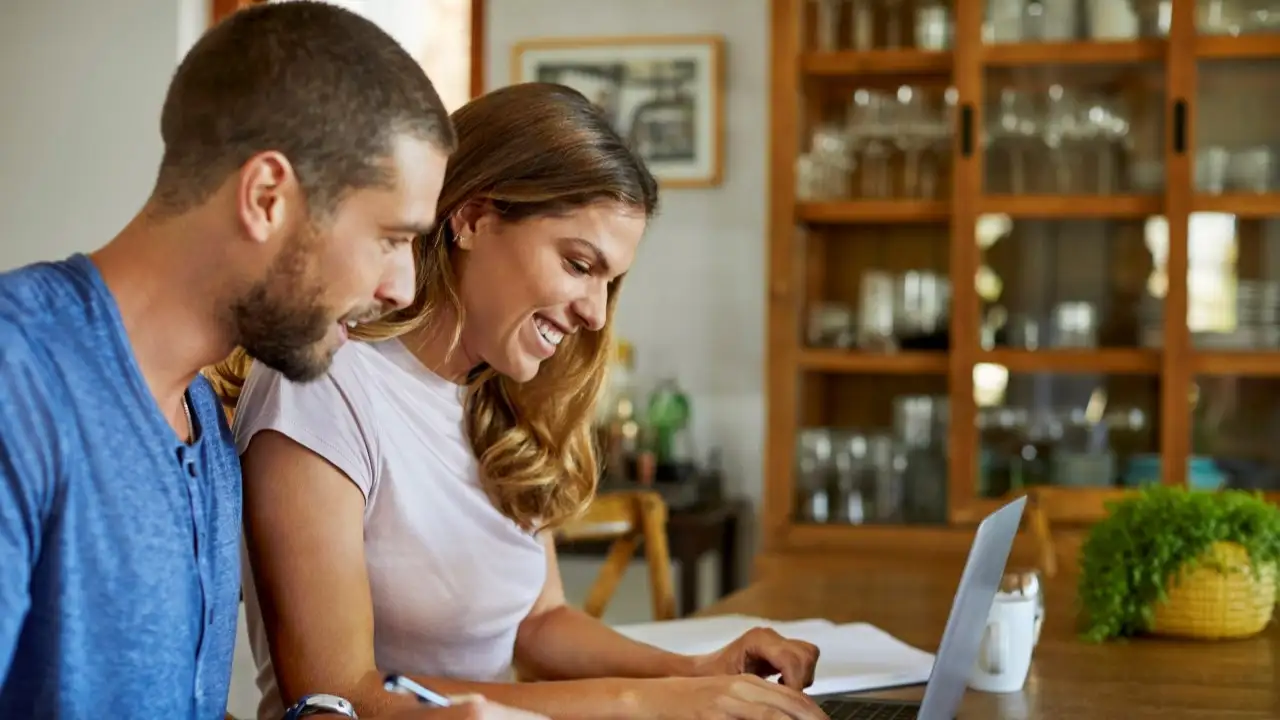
[304, 530]
[559, 642]
[304, 533]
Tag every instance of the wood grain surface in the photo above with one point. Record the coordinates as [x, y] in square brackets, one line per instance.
[1126, 680]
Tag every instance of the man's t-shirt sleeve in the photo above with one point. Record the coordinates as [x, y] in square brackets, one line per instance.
[28, 469]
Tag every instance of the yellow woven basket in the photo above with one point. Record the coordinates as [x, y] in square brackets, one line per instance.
[1220, 598]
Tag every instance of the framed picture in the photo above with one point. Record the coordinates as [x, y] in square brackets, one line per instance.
[664, 95]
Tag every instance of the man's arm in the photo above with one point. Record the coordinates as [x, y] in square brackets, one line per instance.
[473, 707]
[28, 469]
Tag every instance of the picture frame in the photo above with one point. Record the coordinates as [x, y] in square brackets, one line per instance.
[664, 94]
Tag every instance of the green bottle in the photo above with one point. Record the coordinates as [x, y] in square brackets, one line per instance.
[668, 417]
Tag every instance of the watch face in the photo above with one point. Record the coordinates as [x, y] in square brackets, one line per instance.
[321, 703]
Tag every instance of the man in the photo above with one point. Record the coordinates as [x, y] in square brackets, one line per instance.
[303, 152]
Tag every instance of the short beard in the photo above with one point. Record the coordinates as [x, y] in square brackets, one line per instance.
[282, 321]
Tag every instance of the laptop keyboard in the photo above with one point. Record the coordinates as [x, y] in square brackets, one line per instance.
[838, 709]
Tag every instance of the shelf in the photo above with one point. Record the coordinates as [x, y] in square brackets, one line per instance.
[1246, 205]
[1111, 361]
[850, 361]
[978, 508]
[1246, 47]
[920, 543]
[875, 62]
[1247, 363]
[1065, 207]
[873, 212]
[1073, 53]
[842, 238]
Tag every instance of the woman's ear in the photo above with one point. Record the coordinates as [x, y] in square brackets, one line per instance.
[464, 221]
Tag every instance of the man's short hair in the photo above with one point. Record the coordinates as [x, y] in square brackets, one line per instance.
[318, 83]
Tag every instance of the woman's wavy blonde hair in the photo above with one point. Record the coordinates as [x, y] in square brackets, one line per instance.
[525, 151]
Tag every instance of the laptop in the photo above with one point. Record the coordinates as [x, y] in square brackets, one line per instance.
[963, 634]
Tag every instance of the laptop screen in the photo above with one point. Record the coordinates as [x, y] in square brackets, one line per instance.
[969, 611]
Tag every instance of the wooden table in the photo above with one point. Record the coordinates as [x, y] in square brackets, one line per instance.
[1133, 680]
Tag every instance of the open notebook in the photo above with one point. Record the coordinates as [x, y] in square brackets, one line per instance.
[855, 657]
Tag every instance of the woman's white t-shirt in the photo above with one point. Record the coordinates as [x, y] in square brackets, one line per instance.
[451, 578]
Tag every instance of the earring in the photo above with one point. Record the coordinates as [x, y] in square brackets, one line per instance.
[464, 241]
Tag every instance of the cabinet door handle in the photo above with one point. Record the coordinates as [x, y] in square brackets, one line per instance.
[1179, 126]
[966, 130]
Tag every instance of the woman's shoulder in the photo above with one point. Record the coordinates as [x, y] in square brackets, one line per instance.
[345, 394]
[350, 367]
[333, 416]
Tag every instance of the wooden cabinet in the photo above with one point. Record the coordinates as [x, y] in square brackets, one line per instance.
[1038, 244]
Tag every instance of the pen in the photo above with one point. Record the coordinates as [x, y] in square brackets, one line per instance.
[402, 684]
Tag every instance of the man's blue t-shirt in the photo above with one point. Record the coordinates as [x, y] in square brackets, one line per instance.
[119, 543]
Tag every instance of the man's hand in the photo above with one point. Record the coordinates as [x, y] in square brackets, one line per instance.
[471, 707]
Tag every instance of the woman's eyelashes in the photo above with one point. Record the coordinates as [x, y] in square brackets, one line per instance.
[577, 267]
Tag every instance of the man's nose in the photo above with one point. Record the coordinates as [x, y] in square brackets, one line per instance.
[398, 284]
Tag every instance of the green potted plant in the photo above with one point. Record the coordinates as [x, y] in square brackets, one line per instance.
[1144, 566]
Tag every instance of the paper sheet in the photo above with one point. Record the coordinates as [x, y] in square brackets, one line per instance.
[854, 657]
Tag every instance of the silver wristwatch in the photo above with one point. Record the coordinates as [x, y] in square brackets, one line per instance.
[321, 704]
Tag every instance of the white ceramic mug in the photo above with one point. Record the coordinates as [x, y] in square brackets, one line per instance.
[1004, 657]
[1026, 583]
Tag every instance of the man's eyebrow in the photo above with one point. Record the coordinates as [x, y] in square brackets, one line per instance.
[409, 228]
[601, 261]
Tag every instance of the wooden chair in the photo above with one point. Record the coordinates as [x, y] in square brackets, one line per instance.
[1047, 505]
[628, 519]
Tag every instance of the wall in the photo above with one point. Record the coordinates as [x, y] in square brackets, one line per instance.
[436, 32]
[694, 301]
[80, 117]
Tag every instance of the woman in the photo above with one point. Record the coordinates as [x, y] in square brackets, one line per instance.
[396, 509]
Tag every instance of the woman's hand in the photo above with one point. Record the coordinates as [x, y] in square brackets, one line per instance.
[764, 653]
[729, 697]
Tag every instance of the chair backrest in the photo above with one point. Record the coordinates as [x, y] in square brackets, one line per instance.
[629, 519]
[608, 517]
[1082, 505]
[1048, 505]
